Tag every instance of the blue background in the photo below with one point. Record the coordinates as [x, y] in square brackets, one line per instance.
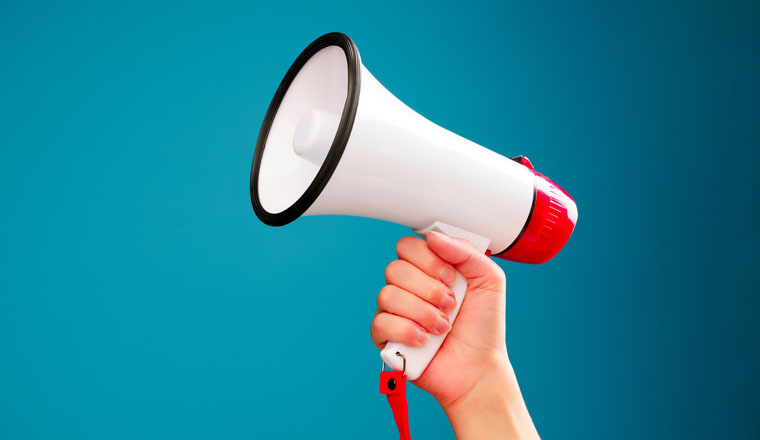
[141, 298]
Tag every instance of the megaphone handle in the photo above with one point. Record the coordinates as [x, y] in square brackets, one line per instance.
[418, 358]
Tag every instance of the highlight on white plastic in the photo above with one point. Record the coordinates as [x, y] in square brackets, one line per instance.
[418, 358]
[400, 167]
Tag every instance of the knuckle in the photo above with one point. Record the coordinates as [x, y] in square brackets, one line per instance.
[410, 334]
[385, 295]
[434, 266]
[502, 280]
[498, 276]
[375, 328]
[436, 293]
[430, 318]
[406, 243]
[388, 271]
[393, 269]
[403, 244]
[427, 264]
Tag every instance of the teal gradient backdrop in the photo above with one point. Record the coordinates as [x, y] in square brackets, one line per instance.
[141, 298]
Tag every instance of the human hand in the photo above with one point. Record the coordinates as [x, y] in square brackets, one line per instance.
[470, 376]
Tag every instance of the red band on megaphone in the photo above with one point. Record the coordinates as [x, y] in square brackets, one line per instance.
[549, 226]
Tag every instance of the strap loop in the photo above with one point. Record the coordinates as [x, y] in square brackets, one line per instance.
[393, 385]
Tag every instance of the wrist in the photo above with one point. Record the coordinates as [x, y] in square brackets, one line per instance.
[493, 408]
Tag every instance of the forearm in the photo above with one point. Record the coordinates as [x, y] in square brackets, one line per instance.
[493, 409]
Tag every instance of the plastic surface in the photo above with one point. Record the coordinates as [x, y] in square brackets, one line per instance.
[314, 135]
[550, 226]
[400, 167]
[418, 358]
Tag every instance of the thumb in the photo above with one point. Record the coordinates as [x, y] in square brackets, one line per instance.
[470, 262]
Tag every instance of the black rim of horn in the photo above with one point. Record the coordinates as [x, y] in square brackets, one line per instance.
[339, 142]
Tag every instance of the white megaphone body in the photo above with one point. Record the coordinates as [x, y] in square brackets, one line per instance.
[335, 142]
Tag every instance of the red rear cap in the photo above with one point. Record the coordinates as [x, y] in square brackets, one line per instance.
[550, 225]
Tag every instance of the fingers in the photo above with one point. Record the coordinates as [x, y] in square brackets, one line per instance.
[470, 262]
[407, 276]
[387, 327]
[399, 302]
[417, 252]
[417, 295]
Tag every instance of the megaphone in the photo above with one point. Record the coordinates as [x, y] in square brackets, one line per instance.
[334, 141]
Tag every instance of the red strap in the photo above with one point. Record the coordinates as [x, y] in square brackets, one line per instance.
[393, 385]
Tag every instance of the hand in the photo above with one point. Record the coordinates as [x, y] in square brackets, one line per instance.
[470, 376]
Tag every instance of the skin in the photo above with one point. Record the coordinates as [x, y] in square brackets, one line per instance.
[471, 376]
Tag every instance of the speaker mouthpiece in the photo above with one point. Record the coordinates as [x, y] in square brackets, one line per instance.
[314, 134]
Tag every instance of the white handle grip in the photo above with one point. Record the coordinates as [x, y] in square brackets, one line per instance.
[418, 358]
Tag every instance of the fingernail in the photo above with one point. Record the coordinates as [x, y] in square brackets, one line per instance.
[442, 325]
[422, 337]
[439, 235]
[448, 303]
[448, 275]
